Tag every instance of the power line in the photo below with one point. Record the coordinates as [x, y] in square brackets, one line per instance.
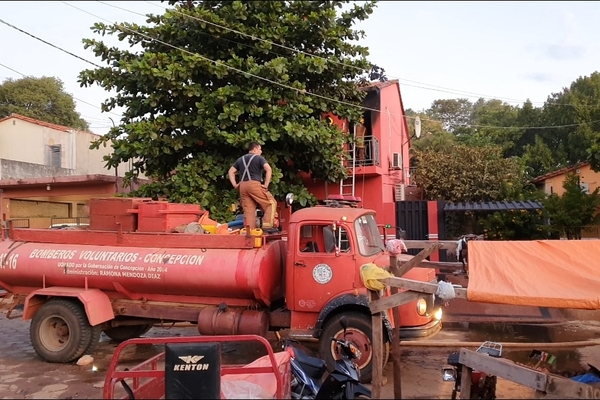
[74, 98]
[433, 87]
[49, 44]
[303, 91]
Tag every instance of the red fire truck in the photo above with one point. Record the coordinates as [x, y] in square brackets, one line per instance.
[130, 270]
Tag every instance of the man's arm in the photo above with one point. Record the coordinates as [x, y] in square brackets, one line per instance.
[269, 172]
[231, 173]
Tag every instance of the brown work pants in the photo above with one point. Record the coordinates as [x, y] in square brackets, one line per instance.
[252, 194]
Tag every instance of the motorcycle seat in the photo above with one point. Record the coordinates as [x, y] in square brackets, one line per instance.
[313, 366]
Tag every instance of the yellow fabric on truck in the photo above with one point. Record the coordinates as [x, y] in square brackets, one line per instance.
[539, 273]
[370, 274]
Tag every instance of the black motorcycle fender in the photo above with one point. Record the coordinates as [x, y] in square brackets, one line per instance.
[354, 390]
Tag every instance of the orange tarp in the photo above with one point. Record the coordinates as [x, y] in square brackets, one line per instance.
[544, 273]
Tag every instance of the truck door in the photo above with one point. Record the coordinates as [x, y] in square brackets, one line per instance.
[320, 272]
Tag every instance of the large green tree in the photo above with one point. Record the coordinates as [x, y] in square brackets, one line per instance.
[577, 109]
[187, 109]
[40, 98]
[467, 174]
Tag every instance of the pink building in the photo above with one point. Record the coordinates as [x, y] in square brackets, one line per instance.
[381, 156]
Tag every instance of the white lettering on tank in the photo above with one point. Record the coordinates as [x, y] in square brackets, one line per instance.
[8, 261]
[53, 254]
[181, 259]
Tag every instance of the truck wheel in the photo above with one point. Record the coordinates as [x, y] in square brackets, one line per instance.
[60, 331]
[96, 332]
[359, 333]
[124, 332]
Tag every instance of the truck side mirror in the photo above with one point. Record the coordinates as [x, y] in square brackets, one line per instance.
[289, 199]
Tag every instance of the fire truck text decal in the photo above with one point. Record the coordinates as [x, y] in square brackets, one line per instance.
[109, 263]
[8, 261]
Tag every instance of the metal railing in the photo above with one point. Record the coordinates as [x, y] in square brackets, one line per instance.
[366, 150]
[16, 223]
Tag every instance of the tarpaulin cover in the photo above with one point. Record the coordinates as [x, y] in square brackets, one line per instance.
[545, 273]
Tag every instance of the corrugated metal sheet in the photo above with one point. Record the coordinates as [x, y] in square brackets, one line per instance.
[494, 206]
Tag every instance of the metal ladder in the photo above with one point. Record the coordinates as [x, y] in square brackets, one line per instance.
[348, 184]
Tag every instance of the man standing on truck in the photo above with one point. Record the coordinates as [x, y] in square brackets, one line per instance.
[253, 192]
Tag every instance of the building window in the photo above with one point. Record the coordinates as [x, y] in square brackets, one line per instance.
[53, 156]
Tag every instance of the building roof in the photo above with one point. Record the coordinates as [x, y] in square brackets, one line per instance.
[494, 206]
[379, 84]
[56, 180]
[558, 172]
[56, 127]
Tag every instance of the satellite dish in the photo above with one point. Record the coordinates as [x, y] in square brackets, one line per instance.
[418, 127]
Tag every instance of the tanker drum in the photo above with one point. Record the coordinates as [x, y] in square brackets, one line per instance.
[222, 320]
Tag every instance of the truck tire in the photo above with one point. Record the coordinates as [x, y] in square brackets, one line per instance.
[360, 334]
[60, 331]
[96, 332]
[124, 332]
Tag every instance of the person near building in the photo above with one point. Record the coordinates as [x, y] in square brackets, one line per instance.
[253, 192]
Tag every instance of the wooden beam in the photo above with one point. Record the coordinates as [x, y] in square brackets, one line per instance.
[394, 300]
[396, 352]
[438, 265]
[421, 244]
[543, 383]
[377, 344]
[504, 369]
[466, 380]
[418, 286]
[413, 262]
[566, 388]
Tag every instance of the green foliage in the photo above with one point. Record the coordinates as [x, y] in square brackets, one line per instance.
[514, 225]
[466, 174]
[574, 211]
[42, 98]
[186, 110]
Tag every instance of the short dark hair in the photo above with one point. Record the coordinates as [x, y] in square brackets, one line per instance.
[253, 145]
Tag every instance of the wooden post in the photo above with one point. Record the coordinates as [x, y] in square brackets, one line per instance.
[396, 337]
[377, 329]
[465, 382]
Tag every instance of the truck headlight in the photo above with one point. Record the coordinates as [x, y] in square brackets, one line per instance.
[437, 314]
[421, 307]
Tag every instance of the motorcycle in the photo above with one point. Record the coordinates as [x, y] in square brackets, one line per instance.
[311, 380]
[483, 386]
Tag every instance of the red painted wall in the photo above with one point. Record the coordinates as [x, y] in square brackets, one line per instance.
[376, 184]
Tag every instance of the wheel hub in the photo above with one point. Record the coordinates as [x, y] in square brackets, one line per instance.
[54, 333]
[359, 339]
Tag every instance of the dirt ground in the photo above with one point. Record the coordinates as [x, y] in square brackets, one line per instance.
[23, 375]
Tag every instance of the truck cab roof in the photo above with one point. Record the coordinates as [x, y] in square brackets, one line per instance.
[329, 213]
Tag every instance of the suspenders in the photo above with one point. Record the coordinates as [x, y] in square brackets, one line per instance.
[246, 165]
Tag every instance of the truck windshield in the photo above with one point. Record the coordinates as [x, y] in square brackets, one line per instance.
[368, 235]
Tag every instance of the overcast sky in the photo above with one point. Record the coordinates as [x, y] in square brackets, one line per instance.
[508, 50]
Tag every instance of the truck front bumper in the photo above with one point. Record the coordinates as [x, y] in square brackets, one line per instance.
[421, 332]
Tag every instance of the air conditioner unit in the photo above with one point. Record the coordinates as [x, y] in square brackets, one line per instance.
[585, 188]
[396, 161]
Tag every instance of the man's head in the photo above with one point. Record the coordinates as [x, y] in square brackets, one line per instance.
[255, 148]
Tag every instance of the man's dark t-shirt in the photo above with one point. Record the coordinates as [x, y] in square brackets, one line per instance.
[255, 168]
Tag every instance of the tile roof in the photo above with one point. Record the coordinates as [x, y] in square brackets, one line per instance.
[493, 206]
[41, 123]
[379, 85]
[561, 171]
